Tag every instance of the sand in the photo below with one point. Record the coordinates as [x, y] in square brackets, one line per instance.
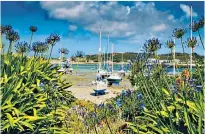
[82, 87]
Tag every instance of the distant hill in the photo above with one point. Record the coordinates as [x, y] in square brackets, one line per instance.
[129, 55]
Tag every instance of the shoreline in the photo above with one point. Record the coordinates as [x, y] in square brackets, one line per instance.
[118, 63]
[58, 62]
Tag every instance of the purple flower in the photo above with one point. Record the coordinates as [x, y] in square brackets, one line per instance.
[101, 105]
[118, 103]
[124, 92]
[129, 92]
[143, 106]
[93, 114]
[198, 88]
[172, 87]
[139, 96]
[191, 81]
[175, 91]
[41, 84]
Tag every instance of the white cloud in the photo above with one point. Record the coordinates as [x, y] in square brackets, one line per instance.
[187, 10]
[171, 17]
[159, 28]
[72, 27]
[121, 21]
[128, 10]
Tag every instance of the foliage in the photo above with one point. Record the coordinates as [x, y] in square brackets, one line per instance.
[63, 51]
[52, 40]
[85, 117]
[33, 96]
[33, 29]
[5, 29]
[12, 36]
[132, 56]
[179, 33]
[80, 54]
[192, 42]
[170, 44]
[39, 48]
[22, 47]
[171, 105]
[152, 45]
[33, 99]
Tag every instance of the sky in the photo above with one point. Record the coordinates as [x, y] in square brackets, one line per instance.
[130, 24]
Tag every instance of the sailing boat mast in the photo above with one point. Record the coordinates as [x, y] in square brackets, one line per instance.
[122, 61]
[99, 56]
[112, 58]
[108, 41]
[191, 39]
[174, 71]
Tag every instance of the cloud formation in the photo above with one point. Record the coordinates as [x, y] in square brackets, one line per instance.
[72, 28]
[159, 28]
[187, 10]
[140, 20]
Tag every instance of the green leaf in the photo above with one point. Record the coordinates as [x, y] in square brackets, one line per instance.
[23, 123]
[156, 129]
[18, 85]
[38, 82]
[34, 112]
[11, 121]
[165, 91]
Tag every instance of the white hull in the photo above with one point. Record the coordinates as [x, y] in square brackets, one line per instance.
[114, 79]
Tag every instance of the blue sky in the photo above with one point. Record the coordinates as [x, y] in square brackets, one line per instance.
[130, 23]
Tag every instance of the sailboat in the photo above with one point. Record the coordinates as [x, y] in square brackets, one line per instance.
[70, 69]
[113, 78]
[101, 85]
[61, 64]
[103, 72]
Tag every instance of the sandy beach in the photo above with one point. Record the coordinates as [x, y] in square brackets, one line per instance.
[82, 87]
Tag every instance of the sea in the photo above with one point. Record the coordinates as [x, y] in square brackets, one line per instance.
[116, 67]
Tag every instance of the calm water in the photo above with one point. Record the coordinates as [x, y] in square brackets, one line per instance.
[117, 67]
[94, 67]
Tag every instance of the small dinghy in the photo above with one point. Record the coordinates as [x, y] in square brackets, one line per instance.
[101, 88]
[121, 72]
[114, 79]
[62, 70]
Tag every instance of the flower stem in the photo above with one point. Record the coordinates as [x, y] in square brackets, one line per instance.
[201, 40]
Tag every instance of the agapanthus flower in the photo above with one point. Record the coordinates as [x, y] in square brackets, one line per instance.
[192, 81]
[198, 88]
[139, 96]
[41, 84]
[142, 106]
[173, 89]
[129, 92]
[101, 105]
[118, 102]
[93, 114]
[124, 92]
